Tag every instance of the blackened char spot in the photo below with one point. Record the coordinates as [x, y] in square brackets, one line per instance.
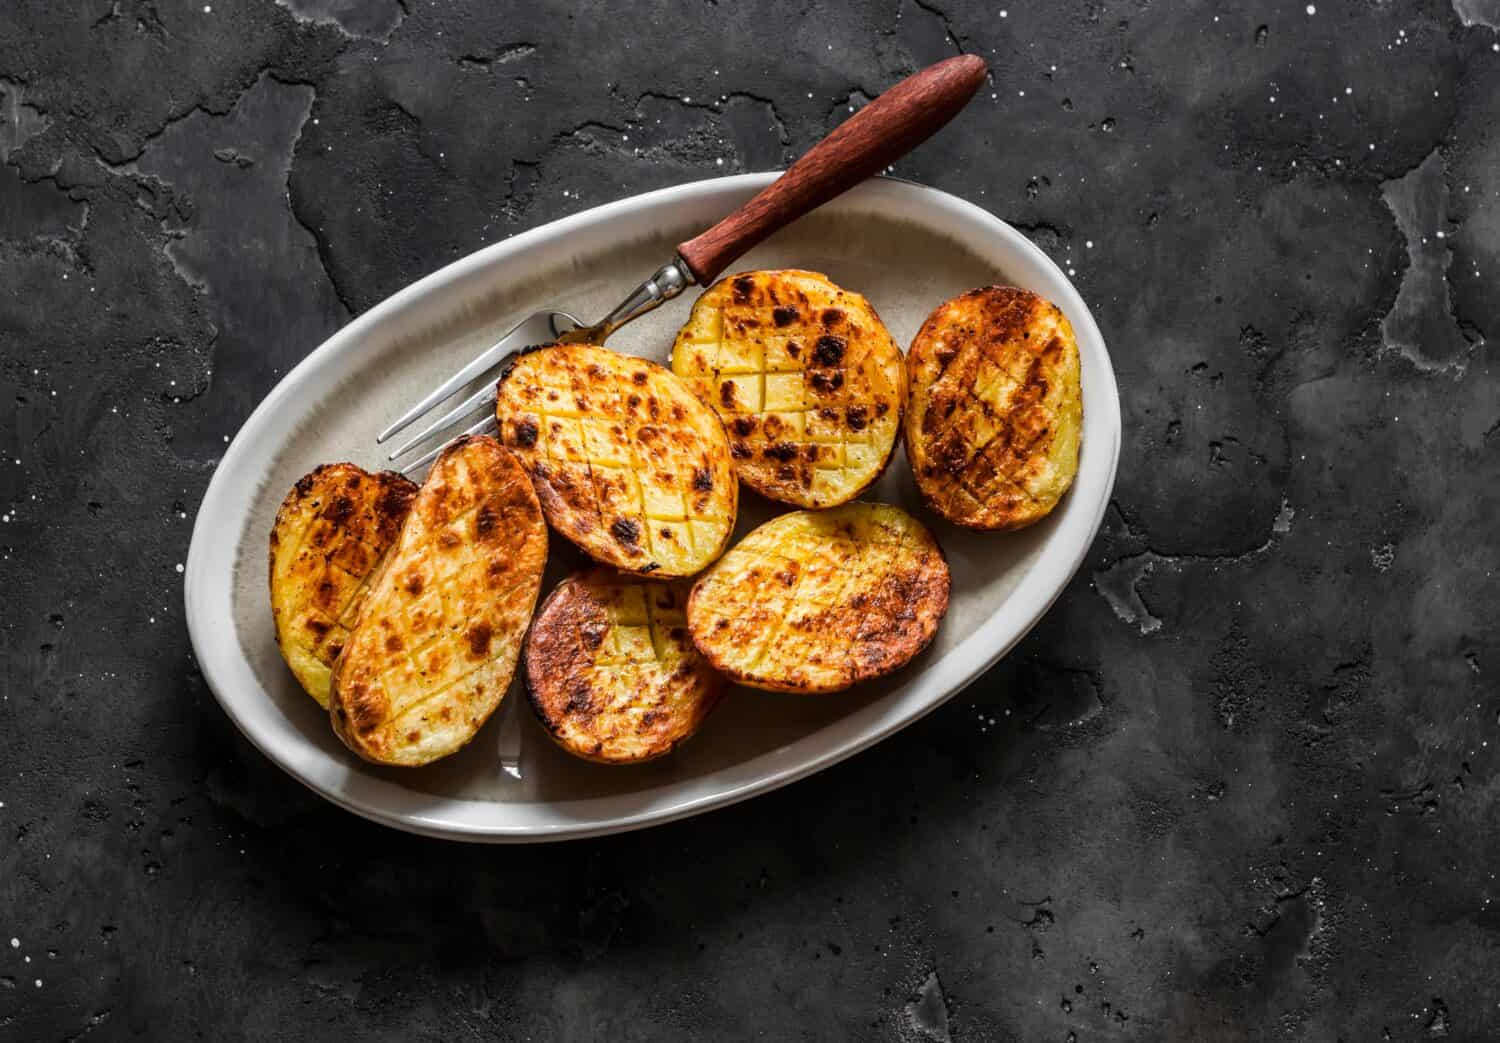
[486, 521]
[340, 510]
[626, 531]
[702, 480]
[743, 426]
[857, 418]
[829, 350]
[392, 506]
[739, 450]
[638, 377]
[743, 285]
[832, 317]
[525, 433]
[784, 316]
[479, 639]
[726, 394]
[580, 699]
[826, 380]
[782, 451]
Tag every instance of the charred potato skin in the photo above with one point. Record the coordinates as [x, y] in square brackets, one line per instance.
[822, 600]
[331, 532]
[575, 662]
[439, 635]
[627, 463]
[808, 381]
[995, 412]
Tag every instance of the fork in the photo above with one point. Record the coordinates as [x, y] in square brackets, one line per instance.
[869, 141]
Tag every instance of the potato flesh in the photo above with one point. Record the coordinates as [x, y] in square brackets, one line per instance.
[818, 601]
[611, 671]
[437, 640]
[806, 378]
[330, 535]
[627, 463]
[996, 410]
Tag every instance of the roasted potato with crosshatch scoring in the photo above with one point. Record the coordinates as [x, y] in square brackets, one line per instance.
[806, 378]
[331, 532]
[996, 408]
[627, 463]
[437, 640]
[815, 601]
[611, 671]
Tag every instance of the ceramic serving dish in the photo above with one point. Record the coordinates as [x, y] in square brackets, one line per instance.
[904, 246]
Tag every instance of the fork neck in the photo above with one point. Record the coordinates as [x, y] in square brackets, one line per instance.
[669, 280]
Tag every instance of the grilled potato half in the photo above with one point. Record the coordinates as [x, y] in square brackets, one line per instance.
[996, 409]
[331, 532]
[627, 463]
[806, 378]
[437, 640]
[815, 601]
[611, 671]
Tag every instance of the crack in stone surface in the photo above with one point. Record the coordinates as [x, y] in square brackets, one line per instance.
[356, 19]
[925, 1017]
[502, 56]
[1420, 325]
[1119, 581]
[947, 22]
[1478, 12]
[19, 122]
[1119, 584]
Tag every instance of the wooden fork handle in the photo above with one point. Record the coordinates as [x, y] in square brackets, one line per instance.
[864, 144]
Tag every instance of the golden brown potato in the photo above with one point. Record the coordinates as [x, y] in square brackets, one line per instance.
[331, 532]
[996, 410]
[815, 601]
[611, 671]
[436, 643]
[806, 378]
[627, 463]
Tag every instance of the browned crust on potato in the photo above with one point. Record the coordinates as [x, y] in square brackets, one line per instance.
[331, 532]
[818, 601]
[806, 378]
[995, 410]
[611, 671]
[438, 637]
[627, 464]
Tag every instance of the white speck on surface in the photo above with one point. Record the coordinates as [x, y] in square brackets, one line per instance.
[1312, 9]
[15, 943]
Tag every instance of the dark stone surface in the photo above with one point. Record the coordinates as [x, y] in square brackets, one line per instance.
[1241, 782]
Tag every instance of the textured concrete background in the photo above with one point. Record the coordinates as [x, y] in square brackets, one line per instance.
[1240, 784]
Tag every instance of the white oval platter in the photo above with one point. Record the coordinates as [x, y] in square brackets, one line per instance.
[905, 246]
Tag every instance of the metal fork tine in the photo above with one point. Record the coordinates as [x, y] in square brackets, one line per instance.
[411, 469]
[473, 371]
[485, 396]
